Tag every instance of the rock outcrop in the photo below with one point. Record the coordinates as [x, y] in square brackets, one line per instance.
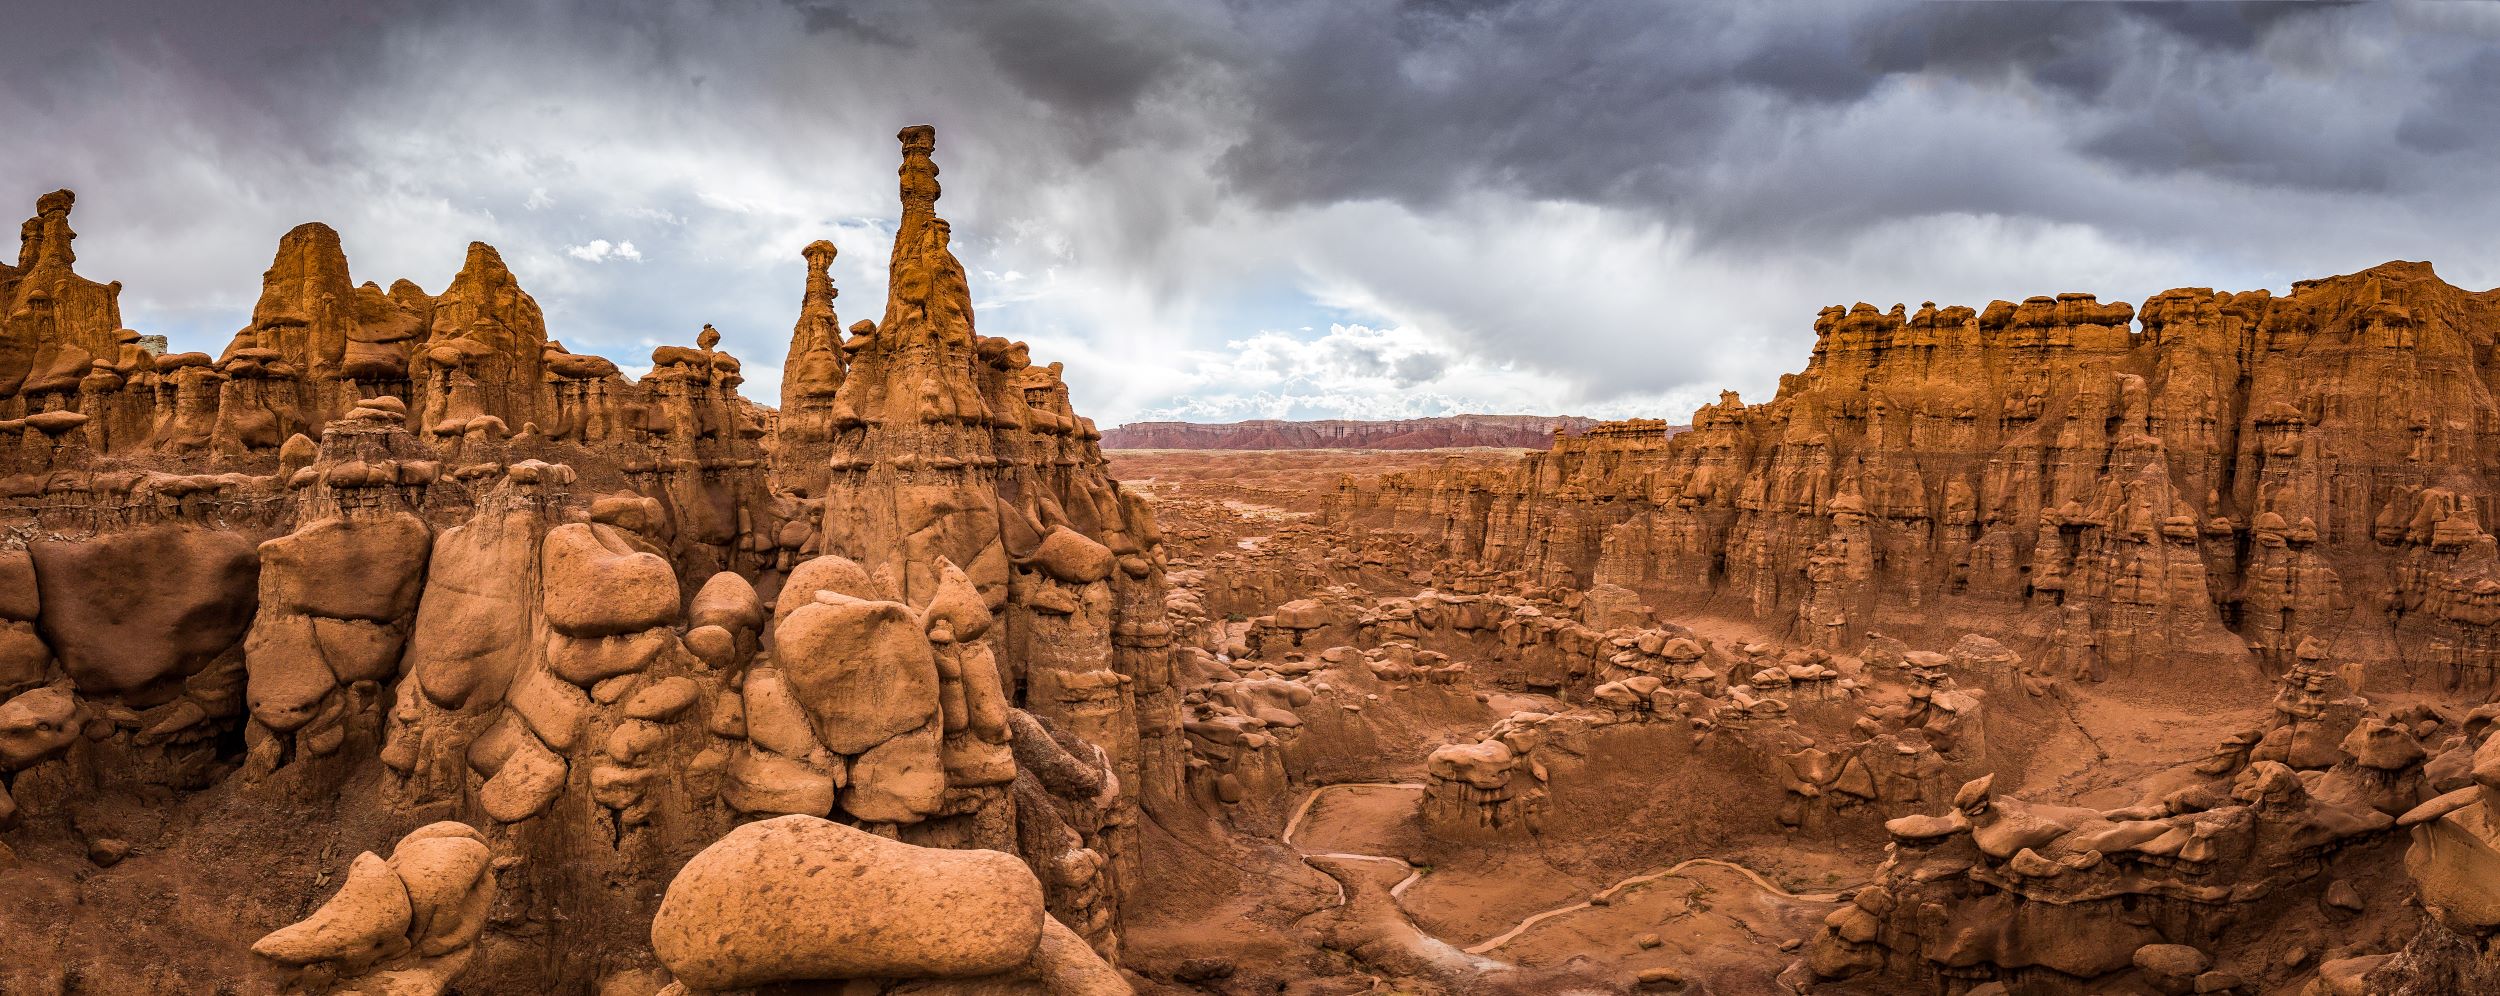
[2062, 897]
[2156, 489]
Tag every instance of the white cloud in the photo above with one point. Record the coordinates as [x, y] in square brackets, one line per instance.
[601, 251]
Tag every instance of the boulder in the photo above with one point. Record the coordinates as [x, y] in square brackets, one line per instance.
[826, 573]
[469, 640]
[128, 611]
[364, 922]
[901, 780]
[1070, 557]
[863, 669]
[798, 898]
[726, 601]
[598, 584]
[361, 568]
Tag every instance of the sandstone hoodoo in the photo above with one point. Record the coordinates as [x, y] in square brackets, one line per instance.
[2051, 647]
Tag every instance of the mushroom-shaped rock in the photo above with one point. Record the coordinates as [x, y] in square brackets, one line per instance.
[797, 898]
[55, 423]
[1484, 765]
[2453, 860]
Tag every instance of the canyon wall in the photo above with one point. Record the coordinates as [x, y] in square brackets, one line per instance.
[2171, 489]
[1533, 432]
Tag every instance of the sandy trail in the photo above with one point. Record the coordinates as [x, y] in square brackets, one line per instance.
[1303, 811]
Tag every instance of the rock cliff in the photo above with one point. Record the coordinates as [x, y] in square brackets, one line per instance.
[2180, 488]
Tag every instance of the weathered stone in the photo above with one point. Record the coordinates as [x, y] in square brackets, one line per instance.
[797, 898]
[863, 670]
[899, 781]
[764, 782]
[529, 780]
[599, 585]
[118, 630]
[726, 601]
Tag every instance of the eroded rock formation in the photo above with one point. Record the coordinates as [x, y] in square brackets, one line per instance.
[2015, 650]
[405, 558]
[2236, 472]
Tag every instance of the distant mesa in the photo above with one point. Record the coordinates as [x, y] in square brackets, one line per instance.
[1535, 432]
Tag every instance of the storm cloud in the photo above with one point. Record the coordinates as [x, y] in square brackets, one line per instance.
[1309, 208]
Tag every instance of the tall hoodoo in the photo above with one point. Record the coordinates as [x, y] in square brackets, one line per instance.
[810, 380]
[307, 305]
[914, 456]
[482, 355]
[957, 465]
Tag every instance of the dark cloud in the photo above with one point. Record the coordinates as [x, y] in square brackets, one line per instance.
[2461, 112]
[1609, 205]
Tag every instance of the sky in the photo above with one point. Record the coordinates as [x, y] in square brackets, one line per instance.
[1221, 209]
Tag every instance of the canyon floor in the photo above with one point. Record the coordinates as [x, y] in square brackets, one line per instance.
[1348, 883]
